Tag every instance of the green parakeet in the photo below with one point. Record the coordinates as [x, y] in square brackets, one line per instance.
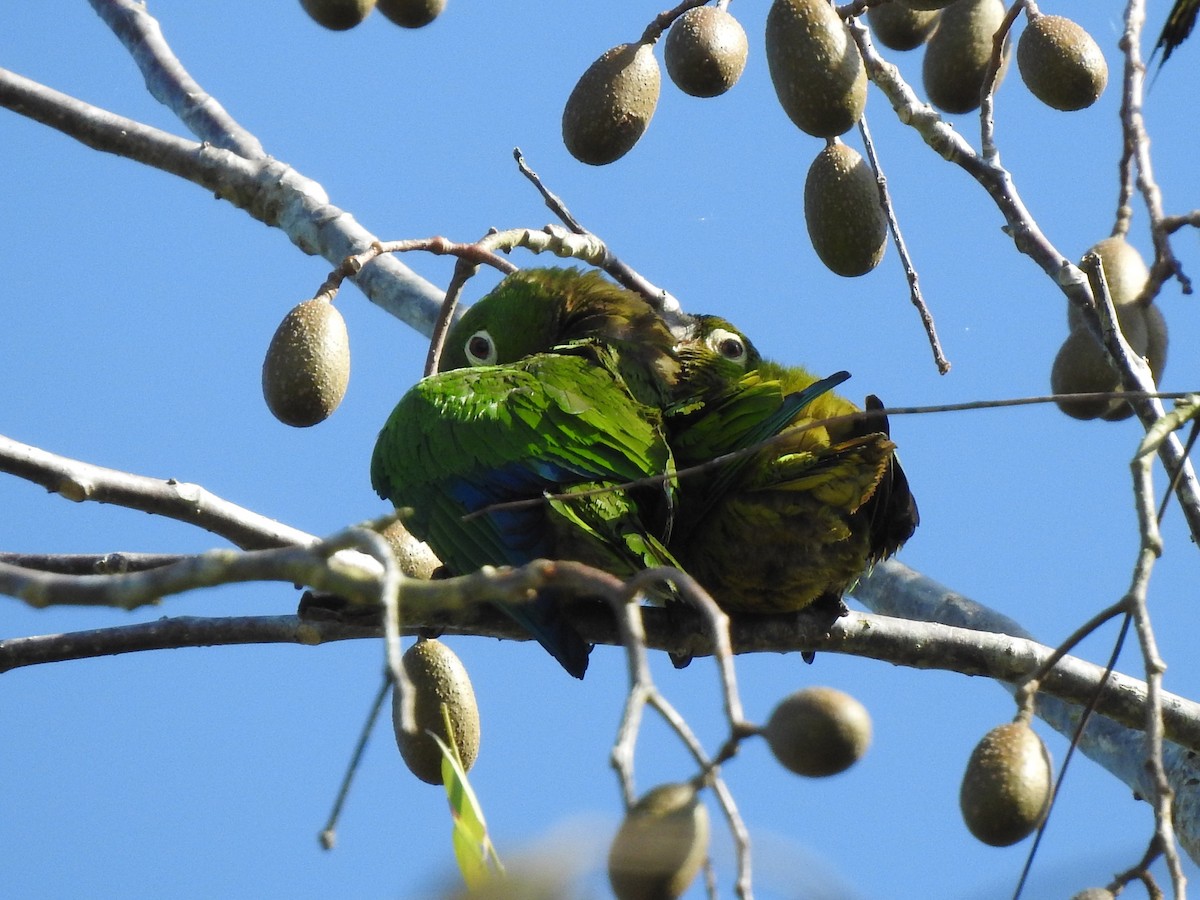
[799, 519]
[552, 384]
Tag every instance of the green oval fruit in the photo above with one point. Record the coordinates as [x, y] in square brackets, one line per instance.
[845, 220]
[957, 56]
[705, 51]
[439, 679]
[1060, 63]
[1156, 341]
[924, 4]
[660, 845]
[338, 15]
[307, 366]
[612, 104]
[899, 27]
[1007, 787]
[1125, 273]
[411, 13]
[817, 71]
[414, 557]
[818, 731]
[1081, 367]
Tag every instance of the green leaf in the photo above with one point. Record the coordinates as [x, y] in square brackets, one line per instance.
[473, 849]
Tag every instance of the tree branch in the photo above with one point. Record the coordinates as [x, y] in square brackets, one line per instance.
[269, 190]
[169, 82]
[79, 481]
[1020, 226]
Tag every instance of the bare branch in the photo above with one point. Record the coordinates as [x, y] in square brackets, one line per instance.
[79, 481]
[623, 273]
[1137, 146]
[269, 190]
[169, 82]
[910, 270]
[1150, 549]
[297, 565]
[90, 563]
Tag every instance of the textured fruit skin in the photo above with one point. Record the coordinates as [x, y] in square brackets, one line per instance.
[957, 56]
[413, 556]
[307, 366]
[817, 71]
[612, 104]
[845, 220]
[898, 27]
[1081, 364]
[1006, 789]
[818, 731]
[1156, 341]
[924, 4]
[660, 845]
[438, 676]
[1125, 273]
[411, 13]
[1060, 63]
[338, 15]
[705, 51]
[1081, 367]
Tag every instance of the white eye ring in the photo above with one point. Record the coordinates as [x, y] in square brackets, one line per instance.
[481, 349]
[727, 345]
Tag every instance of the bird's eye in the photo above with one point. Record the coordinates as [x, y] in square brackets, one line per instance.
[727, 345]
[481, 349]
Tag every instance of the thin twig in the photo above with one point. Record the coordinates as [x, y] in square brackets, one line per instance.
[1151, 546]
[663, 20]
[328, 834]
[1133, 125]
[624, 274]
[910, 270]
[991, 81]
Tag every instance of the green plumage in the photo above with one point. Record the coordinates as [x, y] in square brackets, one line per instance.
[549, 388]
[559, 388]
[798, 519]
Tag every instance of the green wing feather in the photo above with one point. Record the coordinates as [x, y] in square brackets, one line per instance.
[465, 440]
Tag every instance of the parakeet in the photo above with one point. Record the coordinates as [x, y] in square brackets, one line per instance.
[799, 519]
[552, 384]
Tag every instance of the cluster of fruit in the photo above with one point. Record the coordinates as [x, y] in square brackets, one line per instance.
[664, 837]
[1059, 61]
[340, 15]
[821, 83]
[1082, 365]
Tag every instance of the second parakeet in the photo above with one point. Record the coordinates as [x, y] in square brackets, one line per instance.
[798, 519]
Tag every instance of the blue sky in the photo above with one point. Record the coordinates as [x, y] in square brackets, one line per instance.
[137, 312]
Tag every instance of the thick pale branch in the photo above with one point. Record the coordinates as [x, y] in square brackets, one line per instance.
[1115, 739]
[267, 189]
[169, 82]
[458, 606]
[89, 563]
[79, 481]
[130, 590]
